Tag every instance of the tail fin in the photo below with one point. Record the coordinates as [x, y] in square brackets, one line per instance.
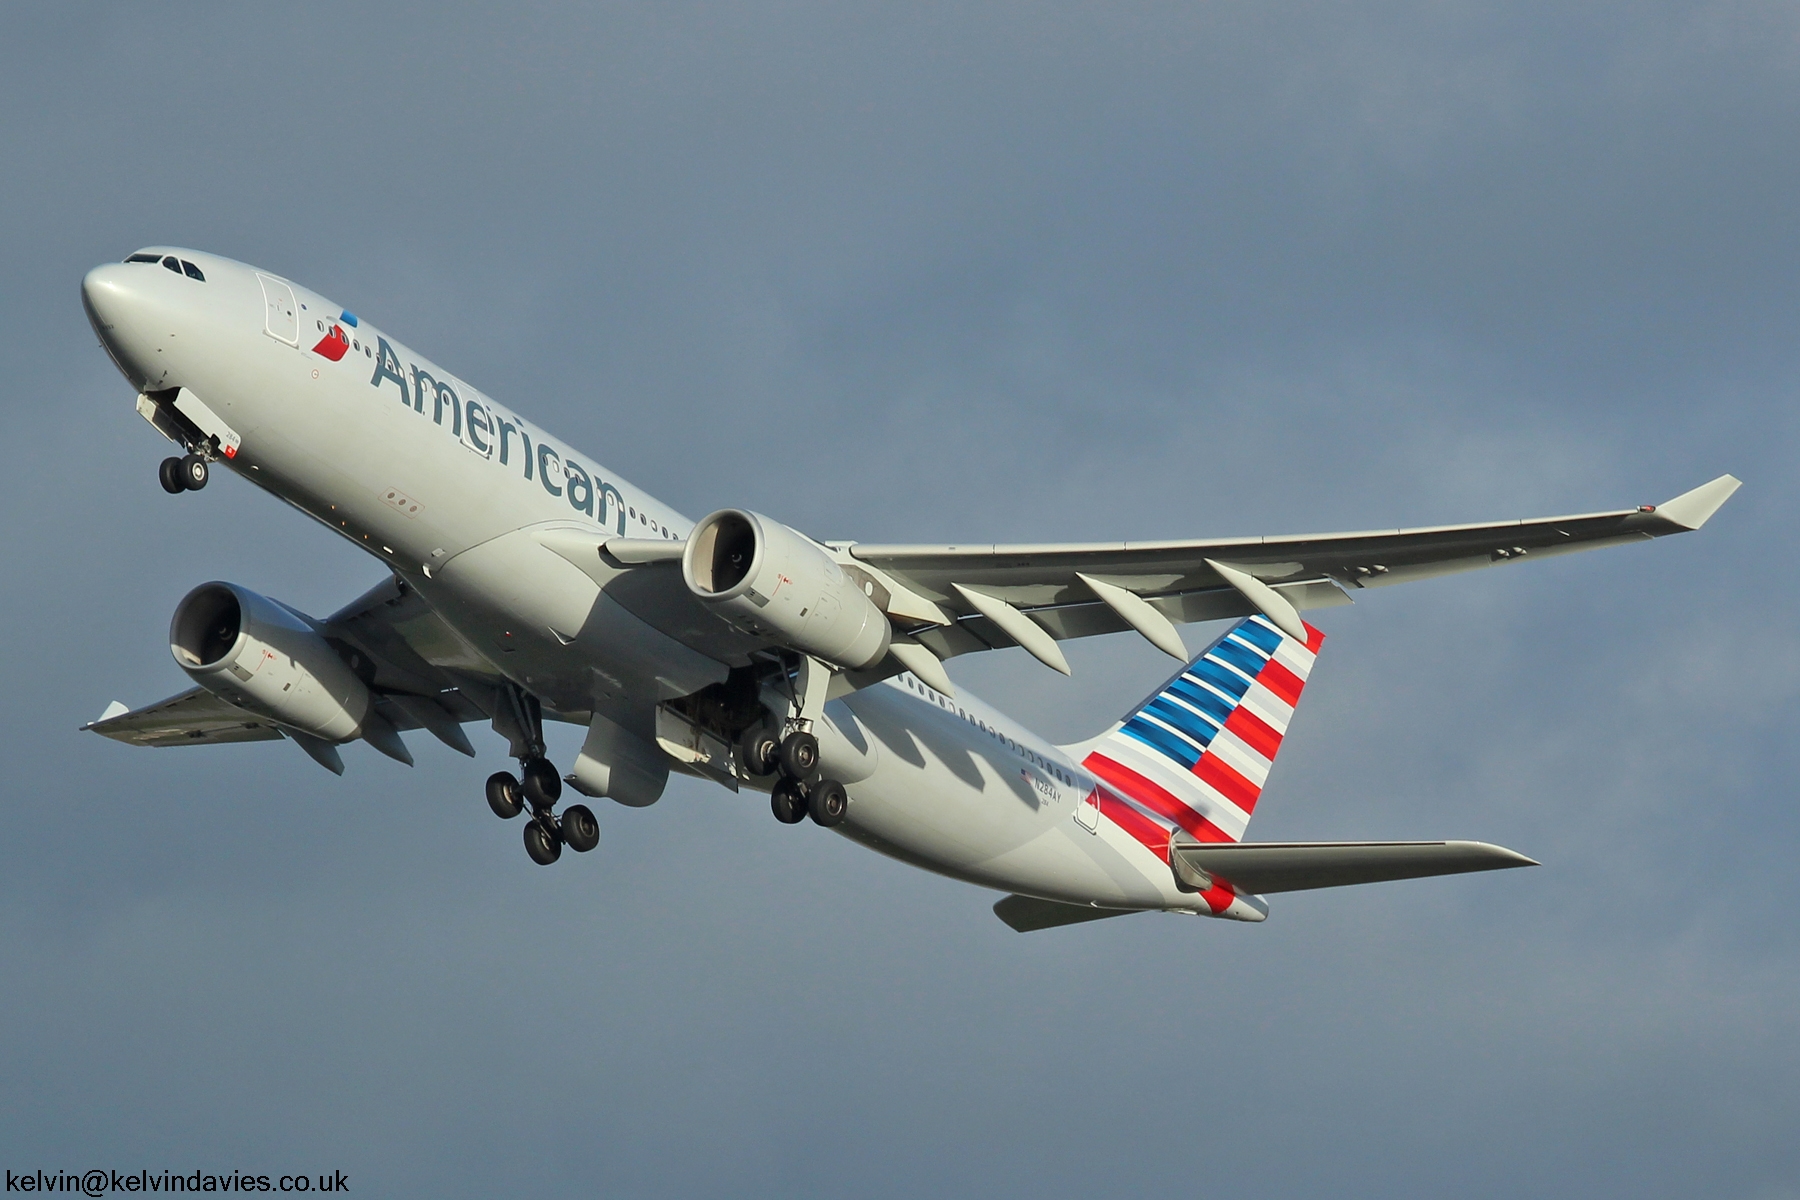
[1195, 754]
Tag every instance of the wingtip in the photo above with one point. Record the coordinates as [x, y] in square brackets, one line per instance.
[1691, 509]
[1504, 857]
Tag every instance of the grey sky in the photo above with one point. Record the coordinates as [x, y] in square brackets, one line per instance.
[914, 272]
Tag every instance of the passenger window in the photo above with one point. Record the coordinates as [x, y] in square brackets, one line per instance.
[191, 271]
[173, 263]
[143, 258]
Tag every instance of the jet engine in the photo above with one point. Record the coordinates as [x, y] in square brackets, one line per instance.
[775, 582]
[253, 652]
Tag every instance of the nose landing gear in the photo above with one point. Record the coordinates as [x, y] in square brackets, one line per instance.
[187, 474]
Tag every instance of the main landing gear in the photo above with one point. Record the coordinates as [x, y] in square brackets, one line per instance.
[545, 833]
[187, 474]
[539, 786]
[795, 795]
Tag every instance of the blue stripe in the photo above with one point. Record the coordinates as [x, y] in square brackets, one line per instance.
[1240, 656]
[1207, 702]
[1219, 677]
[1259, 635]
[1184, 719]
[1162, 741]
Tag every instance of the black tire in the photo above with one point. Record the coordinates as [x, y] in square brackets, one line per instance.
[827, 801]
[760, 752]
[541, 843]
[194, 472]
[541, 784]
[580, 831]
[504, 796]
[799, 755]
[788, 802]
[169, 475]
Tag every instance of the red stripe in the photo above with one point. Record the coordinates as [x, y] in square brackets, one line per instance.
[1152, 795]
[1154, 837]
[1283, 682]
[1314, 639]
[1219, 897]
[1227, 782]
[1254, 732]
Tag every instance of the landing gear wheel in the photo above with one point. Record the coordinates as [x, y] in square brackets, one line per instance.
[827, 801]
[504, 796]
[788, 802]
[169, 475]
[542, 785]
[761, 752]
[194, 472]
[799, 755]
[542, 843]
[580, 832]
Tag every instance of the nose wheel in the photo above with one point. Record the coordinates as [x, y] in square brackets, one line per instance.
[546, 833]
[187, 474]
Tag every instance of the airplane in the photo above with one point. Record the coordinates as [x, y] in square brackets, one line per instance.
[525, 583]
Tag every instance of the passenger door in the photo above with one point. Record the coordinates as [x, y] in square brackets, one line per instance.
[281, 319]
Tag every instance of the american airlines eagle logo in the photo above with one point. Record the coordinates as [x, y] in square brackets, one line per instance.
[334, 345]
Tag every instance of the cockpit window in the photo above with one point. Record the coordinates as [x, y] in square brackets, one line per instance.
[180, 266]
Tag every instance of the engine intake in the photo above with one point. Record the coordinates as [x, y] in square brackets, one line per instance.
[254, 652]
[775, 582]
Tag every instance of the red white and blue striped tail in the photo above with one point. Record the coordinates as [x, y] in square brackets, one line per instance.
[1195, 755]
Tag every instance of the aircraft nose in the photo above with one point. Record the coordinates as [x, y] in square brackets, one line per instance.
[122, 315]
[107, 296]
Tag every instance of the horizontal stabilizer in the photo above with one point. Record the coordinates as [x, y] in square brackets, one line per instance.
[1264, 867]
[1028, 914]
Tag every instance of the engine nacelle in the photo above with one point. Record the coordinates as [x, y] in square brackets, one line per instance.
[252, 652]
[775, 582]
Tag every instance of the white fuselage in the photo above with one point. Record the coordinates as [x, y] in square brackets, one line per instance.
[448, 488]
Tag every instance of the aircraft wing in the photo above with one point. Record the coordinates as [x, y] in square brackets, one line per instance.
[1075, 590]
[196, 717]
[1265, 867]
[422, 675]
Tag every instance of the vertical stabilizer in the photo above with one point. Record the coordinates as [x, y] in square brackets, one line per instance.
[1194, 756]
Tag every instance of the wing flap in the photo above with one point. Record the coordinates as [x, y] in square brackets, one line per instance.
[1262, 868]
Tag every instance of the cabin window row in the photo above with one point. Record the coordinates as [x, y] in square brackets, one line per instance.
[942, 703]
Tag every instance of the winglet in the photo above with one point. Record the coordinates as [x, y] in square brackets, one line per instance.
[1691, 509]
[115, 709]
